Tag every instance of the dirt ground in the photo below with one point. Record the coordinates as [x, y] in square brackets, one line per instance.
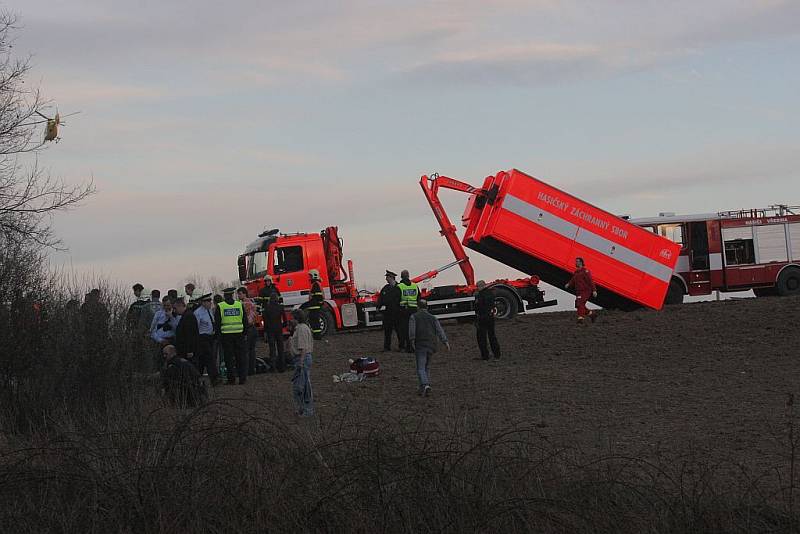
[711, 376]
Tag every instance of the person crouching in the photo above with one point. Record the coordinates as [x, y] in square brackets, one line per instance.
[181, 380]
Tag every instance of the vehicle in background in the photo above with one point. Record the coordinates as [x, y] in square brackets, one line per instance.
[756, 249]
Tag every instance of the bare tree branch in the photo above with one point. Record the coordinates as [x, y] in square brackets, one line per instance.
[29, 196]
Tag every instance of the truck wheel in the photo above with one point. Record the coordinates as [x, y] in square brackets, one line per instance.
[506, 303]
[328, 322]
[674, 293]
[789, 282]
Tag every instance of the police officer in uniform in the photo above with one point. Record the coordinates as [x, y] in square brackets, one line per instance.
[409, 296]
[231, 324]
[389, 299]
[315, 300]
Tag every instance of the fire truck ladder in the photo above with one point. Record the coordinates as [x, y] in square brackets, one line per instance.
[775, 210]
[430, 186]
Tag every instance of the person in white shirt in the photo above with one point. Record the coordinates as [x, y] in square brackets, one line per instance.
[302, 345]
[206, 359]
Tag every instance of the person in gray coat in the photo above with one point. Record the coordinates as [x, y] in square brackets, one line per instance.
[424, 333]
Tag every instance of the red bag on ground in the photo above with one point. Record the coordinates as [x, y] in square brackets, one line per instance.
[367, 366]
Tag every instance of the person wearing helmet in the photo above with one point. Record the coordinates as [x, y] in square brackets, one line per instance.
[269, 292]
[315, 300]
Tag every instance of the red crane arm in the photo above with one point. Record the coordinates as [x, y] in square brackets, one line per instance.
[430, 187]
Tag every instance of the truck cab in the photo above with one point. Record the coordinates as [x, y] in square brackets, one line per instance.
[287, 258]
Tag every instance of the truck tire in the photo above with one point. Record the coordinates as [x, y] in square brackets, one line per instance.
[328, 322]
[789, 282]
[506, 303]
[674, 293]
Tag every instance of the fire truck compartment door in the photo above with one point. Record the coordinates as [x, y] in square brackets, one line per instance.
[349, 315]
[794, 240]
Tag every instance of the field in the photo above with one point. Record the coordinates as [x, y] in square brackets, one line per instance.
[675, 421]
[712, 377]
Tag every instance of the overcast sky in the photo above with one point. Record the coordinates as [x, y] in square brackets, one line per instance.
[204, 122]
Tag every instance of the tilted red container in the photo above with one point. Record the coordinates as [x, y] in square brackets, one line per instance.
[539, 229]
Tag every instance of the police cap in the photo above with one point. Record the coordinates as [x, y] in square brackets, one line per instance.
[390, 273]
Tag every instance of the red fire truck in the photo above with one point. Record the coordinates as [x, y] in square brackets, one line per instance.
[756, 249]
[288, 258]
[515, 219]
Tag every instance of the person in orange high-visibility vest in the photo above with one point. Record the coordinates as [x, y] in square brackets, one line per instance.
[584, 288]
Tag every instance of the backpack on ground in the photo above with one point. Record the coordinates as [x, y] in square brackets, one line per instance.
[366, 366]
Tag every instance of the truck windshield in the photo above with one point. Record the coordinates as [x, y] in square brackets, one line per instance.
[256, 265]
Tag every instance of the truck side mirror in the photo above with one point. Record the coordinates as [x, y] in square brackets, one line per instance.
[242, 268]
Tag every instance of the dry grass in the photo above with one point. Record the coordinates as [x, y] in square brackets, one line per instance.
[87, 446]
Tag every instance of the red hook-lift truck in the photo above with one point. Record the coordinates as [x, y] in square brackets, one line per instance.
[513, 218]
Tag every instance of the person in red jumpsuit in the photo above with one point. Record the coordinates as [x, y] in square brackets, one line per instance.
[584, 288]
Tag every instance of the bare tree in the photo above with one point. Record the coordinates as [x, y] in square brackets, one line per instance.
[29, 196]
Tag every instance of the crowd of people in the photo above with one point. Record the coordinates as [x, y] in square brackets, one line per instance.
[196, 334]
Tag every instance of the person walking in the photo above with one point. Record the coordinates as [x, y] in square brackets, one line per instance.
[251, 333]
[389, 299]
[274, 323]
[485, 311]
[205, 358]
[315, 300]
[423, 331]
[409, 295]
[302, 347]
[584, 287]
[231, 323]
[187, 332]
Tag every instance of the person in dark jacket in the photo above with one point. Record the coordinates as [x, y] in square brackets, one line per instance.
[583, 285]
[389, 299]
[94, 318]
[274, 323]
[268, 292]
[409, 295]
[316, 298]
[181, 380]
[423, 332]
[485, 310]
[187, 335]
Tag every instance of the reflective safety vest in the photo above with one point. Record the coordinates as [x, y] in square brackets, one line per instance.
[316, 296]
[409, 293]
[231, 317]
